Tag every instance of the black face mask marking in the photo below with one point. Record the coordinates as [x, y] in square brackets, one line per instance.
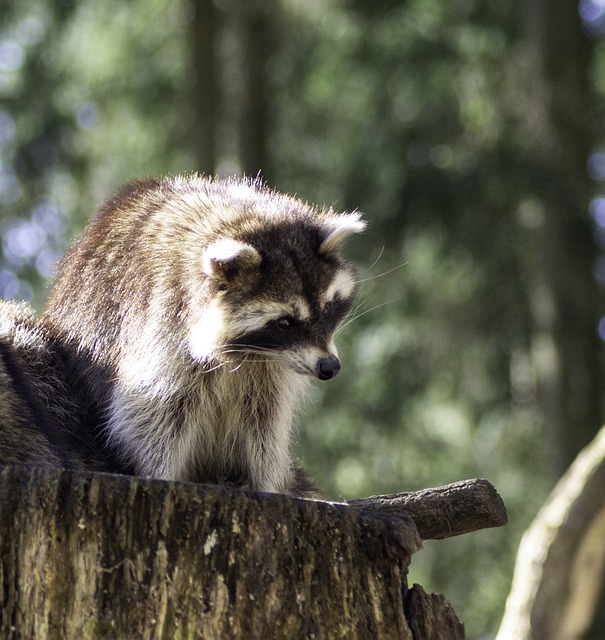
[288, 331]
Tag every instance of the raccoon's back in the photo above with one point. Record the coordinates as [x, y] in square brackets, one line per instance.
[106, 268]
[46, 418]
[22, 441]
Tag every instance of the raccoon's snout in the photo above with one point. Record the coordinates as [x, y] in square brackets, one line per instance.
[327, 368]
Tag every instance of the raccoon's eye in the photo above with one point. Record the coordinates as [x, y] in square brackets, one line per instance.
[285, 324]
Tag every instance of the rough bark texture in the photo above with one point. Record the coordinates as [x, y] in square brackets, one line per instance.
[561, 559]
[101, 556]
[446, 511]
[431, 617]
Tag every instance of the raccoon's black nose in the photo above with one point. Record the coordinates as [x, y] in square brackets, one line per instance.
[327, 368]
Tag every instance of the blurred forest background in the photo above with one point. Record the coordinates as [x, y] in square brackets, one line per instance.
[469, 132]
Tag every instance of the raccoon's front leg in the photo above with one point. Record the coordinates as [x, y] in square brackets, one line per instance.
[143, 433]
[271, 396]
[283, 476]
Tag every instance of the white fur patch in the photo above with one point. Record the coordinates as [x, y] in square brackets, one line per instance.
[342, 286]
[242, 191]
[302, 309]
[205, 334]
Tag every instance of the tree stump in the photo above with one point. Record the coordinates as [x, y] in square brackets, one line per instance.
[88, 555]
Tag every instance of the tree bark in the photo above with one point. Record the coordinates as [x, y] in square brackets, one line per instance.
[102, 556]
[561, 560]
[444, 512]
[431, 617]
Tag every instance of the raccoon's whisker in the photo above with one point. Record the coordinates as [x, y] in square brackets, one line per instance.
[250, 360]
[377, 259]
[244, 349]
[385, 273]
[353, 312]
[244, 346]
[363, 313]
[357, 304]
[216, 367]
[225, 363]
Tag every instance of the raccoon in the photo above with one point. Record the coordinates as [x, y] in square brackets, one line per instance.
[181, 332]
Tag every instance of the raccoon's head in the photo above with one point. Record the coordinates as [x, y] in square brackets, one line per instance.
[277, 291]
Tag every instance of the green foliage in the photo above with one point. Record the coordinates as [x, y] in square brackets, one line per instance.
[419, 113]
[92, 95]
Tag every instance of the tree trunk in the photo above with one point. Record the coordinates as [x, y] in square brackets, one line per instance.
[567, 302]
[561, 559]
[205, 86]
[256, 46]
[101, 556]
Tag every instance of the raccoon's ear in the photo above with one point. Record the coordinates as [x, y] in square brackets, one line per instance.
[338, 228]
[228, 259]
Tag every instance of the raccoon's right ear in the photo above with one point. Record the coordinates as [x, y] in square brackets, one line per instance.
[228, 259]
[337, 228]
